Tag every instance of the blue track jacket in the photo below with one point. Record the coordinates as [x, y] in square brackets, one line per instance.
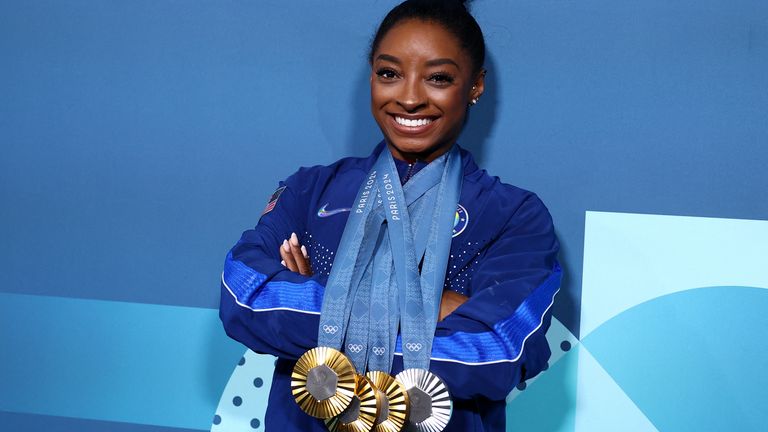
[503, 257]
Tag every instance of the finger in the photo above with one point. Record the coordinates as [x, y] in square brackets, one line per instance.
[308, 263]
[283, 254]
[287, 256]
[299, 257]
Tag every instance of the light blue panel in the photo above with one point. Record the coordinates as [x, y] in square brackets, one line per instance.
[122, 362]
[633, 258]
[601, 404]
[693, 360]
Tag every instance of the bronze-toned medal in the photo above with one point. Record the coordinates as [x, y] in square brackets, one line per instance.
[361, 413]
[323, 382]
[430, 402]
[394, 408]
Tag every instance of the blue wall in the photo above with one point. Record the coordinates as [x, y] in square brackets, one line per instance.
[140, 138]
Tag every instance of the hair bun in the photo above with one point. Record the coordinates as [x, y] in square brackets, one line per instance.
[453, 15]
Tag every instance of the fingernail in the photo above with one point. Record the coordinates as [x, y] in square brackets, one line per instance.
[294, 239]
[304, 252]
[285, 246]
[283, 263]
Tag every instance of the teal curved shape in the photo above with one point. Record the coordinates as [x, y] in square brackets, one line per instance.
[119, 362]
[692, 360]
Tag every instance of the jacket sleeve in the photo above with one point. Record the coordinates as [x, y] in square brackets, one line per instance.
[265, 306]
[496, 339]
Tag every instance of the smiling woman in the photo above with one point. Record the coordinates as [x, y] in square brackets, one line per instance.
[422, 81]
[408, 290]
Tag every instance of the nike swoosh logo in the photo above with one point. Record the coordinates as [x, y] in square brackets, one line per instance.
[323, 213]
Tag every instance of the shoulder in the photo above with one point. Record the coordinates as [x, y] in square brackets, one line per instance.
[479, 183]
[509, 205]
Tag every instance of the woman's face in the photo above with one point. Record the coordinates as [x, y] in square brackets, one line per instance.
[421, 84]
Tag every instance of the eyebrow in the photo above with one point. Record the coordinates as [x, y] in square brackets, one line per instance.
[442, 61]
[430, 63]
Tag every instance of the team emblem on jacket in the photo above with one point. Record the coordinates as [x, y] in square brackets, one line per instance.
[460, 221]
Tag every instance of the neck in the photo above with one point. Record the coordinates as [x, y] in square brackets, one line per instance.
[412, 157]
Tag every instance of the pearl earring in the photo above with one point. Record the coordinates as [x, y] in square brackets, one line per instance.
[473, 100]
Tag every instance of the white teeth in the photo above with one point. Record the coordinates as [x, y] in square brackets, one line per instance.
[412, 123]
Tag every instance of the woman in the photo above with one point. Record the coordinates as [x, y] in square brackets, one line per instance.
[499, 260]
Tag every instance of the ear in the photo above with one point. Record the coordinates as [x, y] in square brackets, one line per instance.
[478, 86]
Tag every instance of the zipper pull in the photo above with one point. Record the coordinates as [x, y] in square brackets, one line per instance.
[409, 173]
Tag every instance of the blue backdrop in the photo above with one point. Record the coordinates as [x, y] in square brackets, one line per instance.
[140, 138]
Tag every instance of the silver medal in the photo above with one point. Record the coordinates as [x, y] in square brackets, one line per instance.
[430, 402]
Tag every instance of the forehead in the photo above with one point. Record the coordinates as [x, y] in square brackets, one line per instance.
[422, 39]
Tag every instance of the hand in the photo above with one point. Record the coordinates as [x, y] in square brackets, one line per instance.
[450, 301]
[295, 256]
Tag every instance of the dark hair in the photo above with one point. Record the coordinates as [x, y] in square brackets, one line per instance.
[451, 14]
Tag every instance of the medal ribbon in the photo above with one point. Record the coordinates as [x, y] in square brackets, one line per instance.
[420, 193]
[419, 293]
[337, 299]
[364, 304]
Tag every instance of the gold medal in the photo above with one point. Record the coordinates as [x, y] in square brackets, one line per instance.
[393, 413]
[323, 382]
[361, 413]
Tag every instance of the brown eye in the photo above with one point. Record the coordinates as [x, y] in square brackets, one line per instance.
[441, 78]
[386, 73]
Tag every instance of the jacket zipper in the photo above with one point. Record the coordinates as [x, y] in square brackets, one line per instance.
[409, 173]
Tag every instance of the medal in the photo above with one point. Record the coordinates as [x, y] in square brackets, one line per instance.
[393, 413]
[362, 411]
[323, 382]
[430, 403]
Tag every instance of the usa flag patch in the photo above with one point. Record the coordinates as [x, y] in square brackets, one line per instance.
[273, 200]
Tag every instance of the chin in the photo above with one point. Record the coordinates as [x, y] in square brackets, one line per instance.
[407, 149]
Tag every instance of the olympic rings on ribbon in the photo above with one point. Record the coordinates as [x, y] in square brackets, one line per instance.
[410, 346]
[330, 329]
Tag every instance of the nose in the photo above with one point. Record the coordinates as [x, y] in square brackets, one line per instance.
[413, 95]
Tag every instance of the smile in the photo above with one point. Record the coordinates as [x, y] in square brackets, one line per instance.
[412, 122]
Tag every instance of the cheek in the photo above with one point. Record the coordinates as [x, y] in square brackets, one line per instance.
[381, 94]
[451, 101]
